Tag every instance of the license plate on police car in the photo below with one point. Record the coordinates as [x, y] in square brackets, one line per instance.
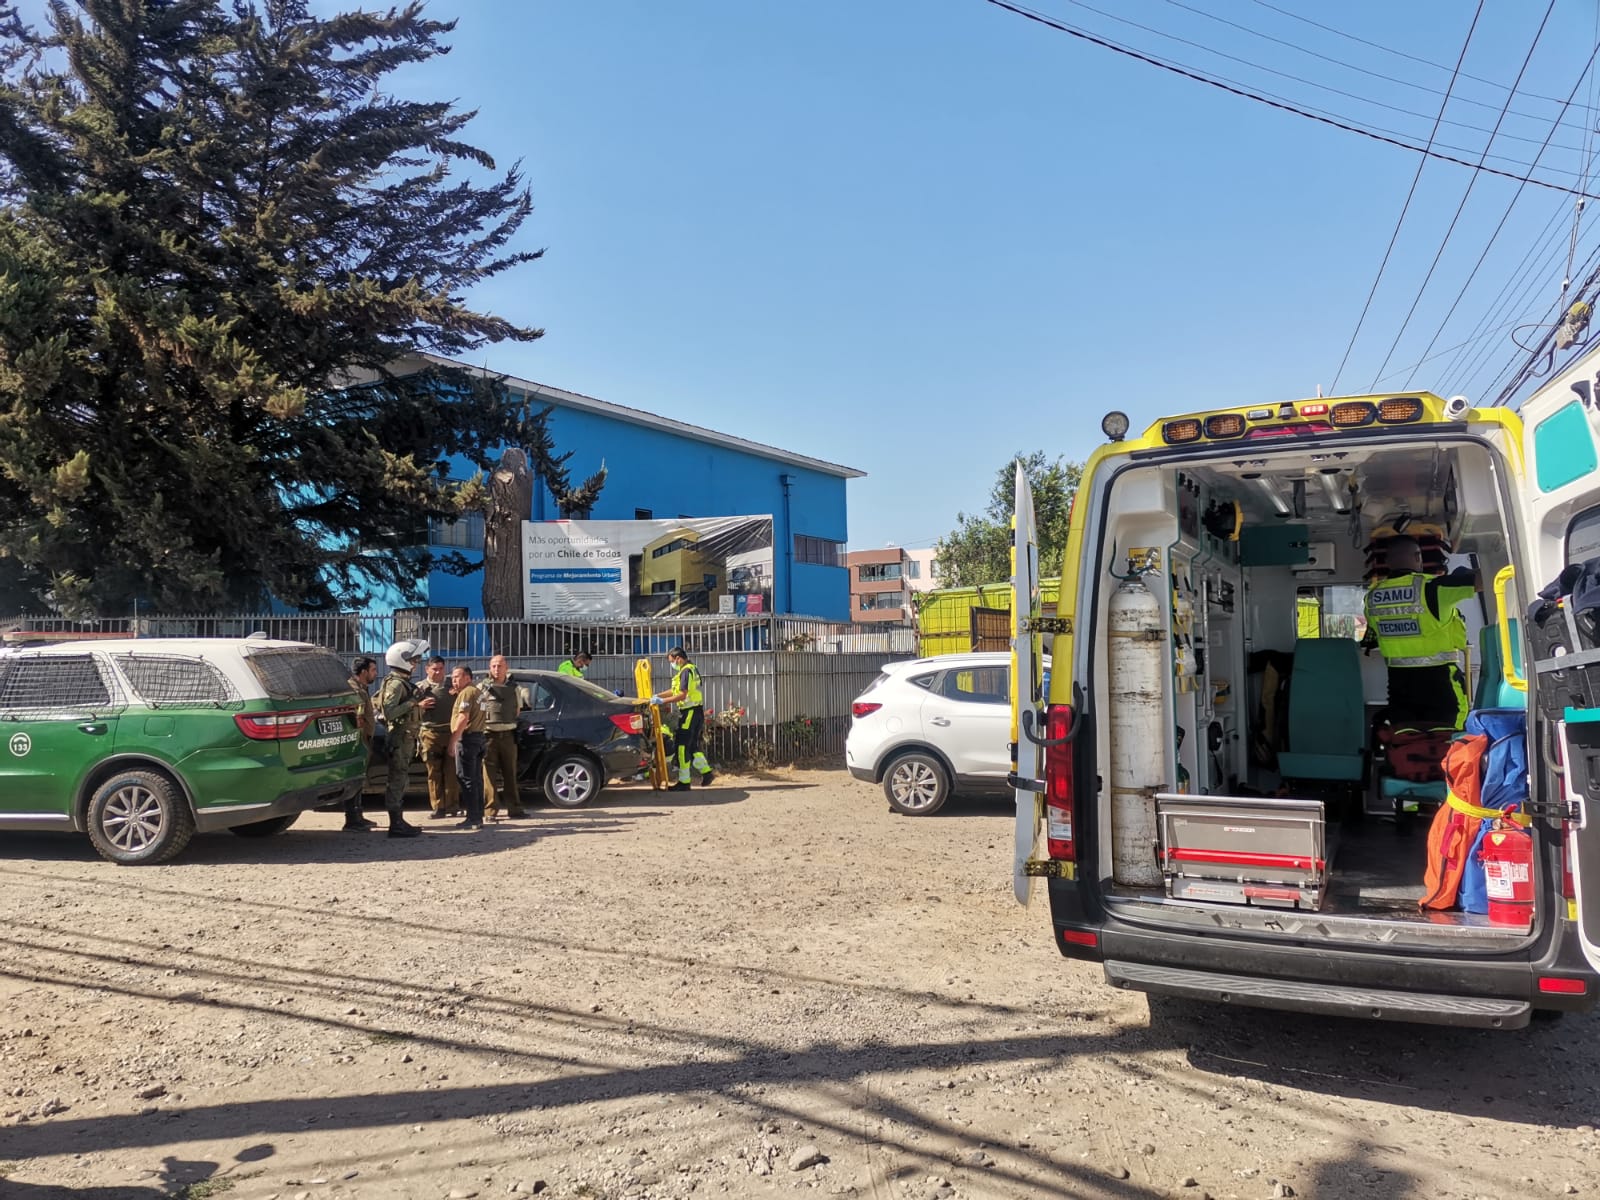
[330, 725]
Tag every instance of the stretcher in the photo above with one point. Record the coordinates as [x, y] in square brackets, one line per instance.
[655, 737]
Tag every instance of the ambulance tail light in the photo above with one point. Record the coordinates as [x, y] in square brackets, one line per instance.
[1569, 890]
[1060, 826]
[1353, 413]
[1175, 433]
[1403, 410]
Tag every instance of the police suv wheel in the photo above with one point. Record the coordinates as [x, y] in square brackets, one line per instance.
[139, 817]
[916, 784]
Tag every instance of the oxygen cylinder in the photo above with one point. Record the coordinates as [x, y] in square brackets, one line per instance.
[1507, 857]
[1139, 739]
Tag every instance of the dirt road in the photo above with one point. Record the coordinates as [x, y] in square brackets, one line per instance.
[767, 988]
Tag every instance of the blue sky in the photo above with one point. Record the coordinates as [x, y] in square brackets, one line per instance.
[915, 236]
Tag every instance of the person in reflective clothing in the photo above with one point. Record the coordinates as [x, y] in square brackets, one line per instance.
[467, 722]
[444, 794]
[501, 703]
[577, 666]
[687, 694]
[402, 710]
[1421, 635]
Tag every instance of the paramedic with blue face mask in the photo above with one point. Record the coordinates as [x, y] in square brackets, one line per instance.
[1421, 635]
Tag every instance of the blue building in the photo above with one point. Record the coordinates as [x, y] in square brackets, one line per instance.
[648, 459]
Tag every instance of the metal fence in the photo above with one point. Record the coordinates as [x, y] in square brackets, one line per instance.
[777, 688]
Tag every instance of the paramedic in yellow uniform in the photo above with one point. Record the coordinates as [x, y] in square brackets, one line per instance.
[1421, 635]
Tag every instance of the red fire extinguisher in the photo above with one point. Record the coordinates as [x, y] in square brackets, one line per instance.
[1508, 874]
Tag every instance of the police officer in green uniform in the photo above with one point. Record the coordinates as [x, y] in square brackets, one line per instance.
[444, 794]
[501, 703]
[1421, 635]
[364, 671]
[577, 666]
[687, 694]
[403, 710]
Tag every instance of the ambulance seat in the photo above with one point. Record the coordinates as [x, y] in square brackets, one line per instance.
[1327, 732]
[1492, 691]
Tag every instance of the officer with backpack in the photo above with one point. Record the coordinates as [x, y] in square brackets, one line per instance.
[688, 695]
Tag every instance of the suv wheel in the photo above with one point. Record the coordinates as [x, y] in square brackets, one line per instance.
[571, 781]
[916, 784]
[139, 817]
[265, 828]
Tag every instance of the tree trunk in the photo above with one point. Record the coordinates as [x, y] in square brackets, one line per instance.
[510, 503]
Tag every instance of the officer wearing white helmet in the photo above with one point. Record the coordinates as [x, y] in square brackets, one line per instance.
[402, 715]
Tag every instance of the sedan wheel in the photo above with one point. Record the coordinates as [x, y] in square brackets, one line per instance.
[916, 785]
[139, 817]
[571, 781]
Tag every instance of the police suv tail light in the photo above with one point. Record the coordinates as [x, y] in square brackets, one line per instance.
[272, 727]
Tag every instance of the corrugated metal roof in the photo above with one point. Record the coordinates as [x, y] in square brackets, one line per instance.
[638, 416]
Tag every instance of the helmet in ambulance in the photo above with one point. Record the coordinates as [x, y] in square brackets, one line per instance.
[404, 656]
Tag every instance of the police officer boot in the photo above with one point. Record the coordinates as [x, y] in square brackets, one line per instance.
[399, 827]
[354, 822]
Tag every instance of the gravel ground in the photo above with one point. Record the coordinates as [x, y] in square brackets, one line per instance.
[773, 986]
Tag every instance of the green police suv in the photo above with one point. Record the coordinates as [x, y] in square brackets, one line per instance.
[142, 743]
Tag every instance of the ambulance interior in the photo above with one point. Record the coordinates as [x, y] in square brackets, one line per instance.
[1262, 557]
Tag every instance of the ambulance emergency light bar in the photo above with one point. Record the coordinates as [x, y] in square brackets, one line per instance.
[1290, 420]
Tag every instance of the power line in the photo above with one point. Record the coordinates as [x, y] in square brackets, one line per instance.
[1493, 237]
[1339, 62]
[1406, 207]
[1427, 62]
[1283, 106]
[1323, 87]
[1526, 276]
[1466, 195]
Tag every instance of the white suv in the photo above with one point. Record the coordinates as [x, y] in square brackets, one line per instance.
[932, 726]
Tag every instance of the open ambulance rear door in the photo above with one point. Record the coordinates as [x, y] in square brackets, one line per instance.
[1561, 510]
[1027, 672]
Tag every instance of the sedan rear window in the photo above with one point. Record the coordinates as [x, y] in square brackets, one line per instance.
[300, 674]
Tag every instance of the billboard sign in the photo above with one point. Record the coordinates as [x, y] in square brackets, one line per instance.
[612, 570]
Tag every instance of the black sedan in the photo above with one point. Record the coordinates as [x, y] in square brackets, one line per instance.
[572, 739]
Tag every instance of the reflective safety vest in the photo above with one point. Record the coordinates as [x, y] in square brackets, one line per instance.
[570, 668]
[1408, 634]
[686, 679]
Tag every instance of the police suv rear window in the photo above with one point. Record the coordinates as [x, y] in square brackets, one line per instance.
[53, 684]
[300, 674]
[172, 680]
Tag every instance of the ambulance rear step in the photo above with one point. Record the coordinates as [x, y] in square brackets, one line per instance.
[1256, 850]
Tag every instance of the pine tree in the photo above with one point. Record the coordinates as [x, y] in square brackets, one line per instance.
[218, 233]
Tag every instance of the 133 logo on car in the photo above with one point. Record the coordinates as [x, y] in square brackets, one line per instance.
[21, 744]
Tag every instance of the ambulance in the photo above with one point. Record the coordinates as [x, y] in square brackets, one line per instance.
[1203, 796]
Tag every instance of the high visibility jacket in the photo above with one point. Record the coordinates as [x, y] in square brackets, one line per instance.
[570, 668]
[686, 679]
[1409, 635]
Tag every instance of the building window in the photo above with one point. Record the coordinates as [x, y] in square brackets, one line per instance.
[871, 601]
[878, 572]
[913, 569]
[818, 552]
[643, 514]
[665, 587]
[671, 547]
[461, 533]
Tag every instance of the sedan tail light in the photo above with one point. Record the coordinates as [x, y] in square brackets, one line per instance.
[628, 722]
[864, 708]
